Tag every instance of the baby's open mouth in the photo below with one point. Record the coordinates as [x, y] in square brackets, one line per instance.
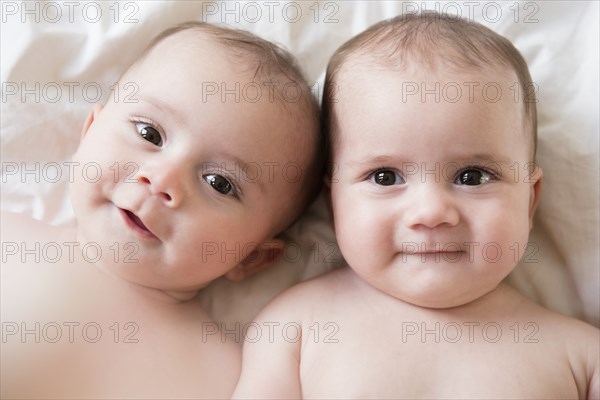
[136, 224]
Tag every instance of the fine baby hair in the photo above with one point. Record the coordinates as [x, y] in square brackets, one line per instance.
[432, 40]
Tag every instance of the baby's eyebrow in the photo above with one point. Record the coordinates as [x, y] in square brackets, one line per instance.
[161, 105]
[373, 160]
[485, 158]
[381, 160]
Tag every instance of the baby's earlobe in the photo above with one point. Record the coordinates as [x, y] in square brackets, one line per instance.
[535, 193]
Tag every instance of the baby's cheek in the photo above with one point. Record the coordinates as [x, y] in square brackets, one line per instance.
[505, 242]
[348, 230]
[363, 234]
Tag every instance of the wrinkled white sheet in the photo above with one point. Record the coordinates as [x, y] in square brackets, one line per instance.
[57, 58]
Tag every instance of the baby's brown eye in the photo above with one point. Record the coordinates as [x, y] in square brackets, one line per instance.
[220, 184]
[149, 133]
[472, 177]
[386, 178]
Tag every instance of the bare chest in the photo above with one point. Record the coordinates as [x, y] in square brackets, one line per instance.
[80, 335]
[411, 360]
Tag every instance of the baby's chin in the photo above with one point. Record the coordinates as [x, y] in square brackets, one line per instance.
[441, 297]
[441, 303]
[143, 281]
[164, 292]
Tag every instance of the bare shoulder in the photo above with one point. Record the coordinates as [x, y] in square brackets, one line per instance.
[280, 335]
[334, 282]
[576, 340]
[555, 325]
[582, 346]
[561, 324]
[310, 295]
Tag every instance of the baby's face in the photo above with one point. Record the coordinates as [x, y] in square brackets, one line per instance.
[432, 201]
[190, 182]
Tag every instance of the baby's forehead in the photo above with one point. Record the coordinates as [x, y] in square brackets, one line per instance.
[371, 80]
[378, 94]
[189, 46]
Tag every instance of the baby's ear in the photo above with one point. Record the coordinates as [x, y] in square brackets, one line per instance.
[535, 192]
[90, 119]
[261, 258]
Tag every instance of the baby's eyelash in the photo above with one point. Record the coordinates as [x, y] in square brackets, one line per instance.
[474, 175]
[237, 191]
[371, 172]
[149, 131]
[144, 120]
[493, 174]
[382, 177]
[149, 122]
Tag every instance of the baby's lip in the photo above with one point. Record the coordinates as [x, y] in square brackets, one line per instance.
[136, 224]
[431, 248]
[432, 252]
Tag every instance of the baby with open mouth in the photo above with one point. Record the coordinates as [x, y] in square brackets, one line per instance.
[116, 315]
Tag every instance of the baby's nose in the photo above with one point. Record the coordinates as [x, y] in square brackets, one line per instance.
[432, 205]
[163, 181]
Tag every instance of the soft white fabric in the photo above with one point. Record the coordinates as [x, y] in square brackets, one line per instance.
[66, 48]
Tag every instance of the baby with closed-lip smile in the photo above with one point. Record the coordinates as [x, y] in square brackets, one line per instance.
[430, 218]
[123, 294]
